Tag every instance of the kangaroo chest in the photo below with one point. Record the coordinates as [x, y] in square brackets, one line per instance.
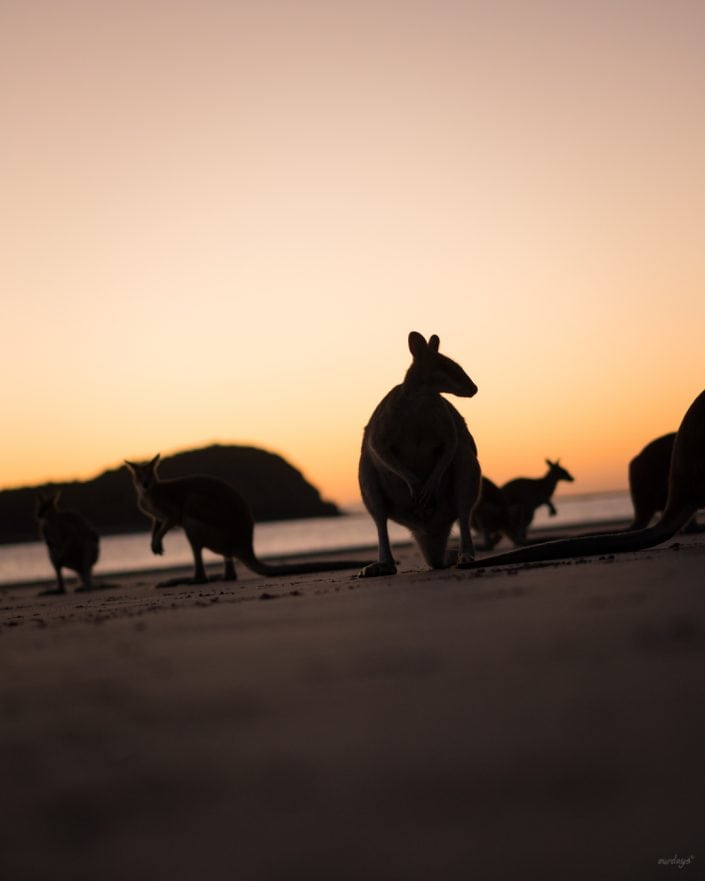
[419, 431]
[157, 504]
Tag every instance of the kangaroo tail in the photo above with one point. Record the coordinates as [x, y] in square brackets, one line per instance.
[589, 545]
[261, 568]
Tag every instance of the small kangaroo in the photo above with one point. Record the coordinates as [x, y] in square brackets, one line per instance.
[71, 541]
[491, 516]
[686, 494]
[648, 482]
[524, 495]
[418, 464]
[214, 516]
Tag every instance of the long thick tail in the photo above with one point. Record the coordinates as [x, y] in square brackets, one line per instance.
[590, 545]
[261, 568]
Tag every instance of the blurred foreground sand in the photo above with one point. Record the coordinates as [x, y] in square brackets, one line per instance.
[541, 723]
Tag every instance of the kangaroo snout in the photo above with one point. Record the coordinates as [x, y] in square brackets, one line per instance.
[466, 388]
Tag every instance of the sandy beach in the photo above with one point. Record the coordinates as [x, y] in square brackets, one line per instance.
[545, 722]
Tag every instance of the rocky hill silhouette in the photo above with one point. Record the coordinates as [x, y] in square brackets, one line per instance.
[273, 488]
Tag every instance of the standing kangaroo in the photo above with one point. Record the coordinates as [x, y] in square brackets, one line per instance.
[524, 495]
[686, 494]
[418, 464]
[213, 516]
[71, 541]
[648, 482]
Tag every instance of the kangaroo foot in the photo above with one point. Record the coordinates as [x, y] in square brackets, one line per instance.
[208, 579]
[93, 586]
[465, 561]
[174, 582]
[374, 570]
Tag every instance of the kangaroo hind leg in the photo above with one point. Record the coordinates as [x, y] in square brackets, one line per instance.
[199, 570]
[467, 493]
[376, 505]
[385, 564]
[59, 589]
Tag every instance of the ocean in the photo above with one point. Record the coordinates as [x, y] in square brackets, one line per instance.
[28, 561]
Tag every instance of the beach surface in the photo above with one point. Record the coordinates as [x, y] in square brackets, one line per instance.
[542, 722]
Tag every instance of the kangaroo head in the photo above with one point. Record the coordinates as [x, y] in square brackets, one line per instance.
[144, 474]
[558, 471]
[436, 371]
[46, 502]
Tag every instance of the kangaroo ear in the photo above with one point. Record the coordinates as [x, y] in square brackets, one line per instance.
[132, 466]
[155, 461]
[417, 344]
[434, 343]
[549, 463]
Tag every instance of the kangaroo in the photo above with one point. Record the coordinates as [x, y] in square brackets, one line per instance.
[686, 494]
[491, 516]
[418, 464]
[648, 482]
[71, 541]
[214, 516]
[524, 495]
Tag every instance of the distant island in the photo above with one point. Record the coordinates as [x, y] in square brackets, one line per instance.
[272, 487]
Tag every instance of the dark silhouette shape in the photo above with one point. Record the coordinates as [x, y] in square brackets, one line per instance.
[274, 490]
[418, 464]
[648, 482]
[214, 516]
[524, 495]
[686, 494]
[491, 517]
[71, 541]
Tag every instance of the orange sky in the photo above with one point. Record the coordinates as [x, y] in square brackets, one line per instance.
[221, 220]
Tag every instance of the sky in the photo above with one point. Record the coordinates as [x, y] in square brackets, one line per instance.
[220, 221]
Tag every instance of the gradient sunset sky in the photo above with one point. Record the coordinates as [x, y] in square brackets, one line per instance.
[220, 220]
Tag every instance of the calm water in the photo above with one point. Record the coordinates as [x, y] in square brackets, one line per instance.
[124, 553]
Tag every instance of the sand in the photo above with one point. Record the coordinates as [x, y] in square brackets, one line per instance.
[546, 722]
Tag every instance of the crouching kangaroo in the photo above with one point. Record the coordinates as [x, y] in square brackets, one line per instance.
[492, 517]
[213, 516]
[418, 464]
[648, 482]
[686, 494]
[72, 543]
[524, 495]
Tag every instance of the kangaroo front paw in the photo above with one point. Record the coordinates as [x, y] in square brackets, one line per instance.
[375, 570]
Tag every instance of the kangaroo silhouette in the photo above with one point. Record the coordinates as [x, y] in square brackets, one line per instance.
[213, 516]
[648, 482]
[686, 494]
[524, 495]
[492, 517]
[418, 464]
[71, 541]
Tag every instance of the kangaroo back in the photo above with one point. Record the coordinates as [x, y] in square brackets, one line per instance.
[686, 493]
[536, 491]
[648, 479]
